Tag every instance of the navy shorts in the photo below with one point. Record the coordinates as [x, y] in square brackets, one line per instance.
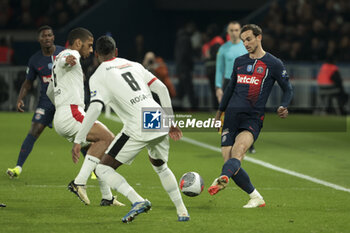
[44, 114]
[234, 123]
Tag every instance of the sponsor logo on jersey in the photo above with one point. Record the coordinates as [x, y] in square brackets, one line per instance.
[248, 79]
[249, 68]
[284, 74]
[46, 79]
[40, 68]
[152, 119]
[259, 69]
[40, 111]
[93, 93]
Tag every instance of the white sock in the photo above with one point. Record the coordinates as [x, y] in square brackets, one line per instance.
[117, 182]
[19, 168]
[169, 183]
[255, 194]
[90, 163]
[105, 189]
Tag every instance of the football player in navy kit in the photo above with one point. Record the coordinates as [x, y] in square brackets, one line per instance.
[244, 100]
[39, 65]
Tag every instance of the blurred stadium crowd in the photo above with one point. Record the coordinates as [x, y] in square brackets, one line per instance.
[28, 14]
[308, 30]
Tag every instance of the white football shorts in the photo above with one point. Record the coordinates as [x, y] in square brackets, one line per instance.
[125, 149]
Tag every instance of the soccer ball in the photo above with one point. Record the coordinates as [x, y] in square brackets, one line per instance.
[191, 184]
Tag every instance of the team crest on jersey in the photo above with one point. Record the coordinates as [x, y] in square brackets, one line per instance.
[93, 93]
[284, 74]
[259, 69]
[249, 68]
[49, 66]
[152, 119]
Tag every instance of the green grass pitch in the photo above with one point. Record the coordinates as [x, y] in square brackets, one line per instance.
[39, 201]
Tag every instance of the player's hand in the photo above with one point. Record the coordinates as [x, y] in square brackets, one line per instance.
[175, 133]
[71, 60]
[20, 106]
[282, 112]
[219, 94]
[218, 118]
[76, 152]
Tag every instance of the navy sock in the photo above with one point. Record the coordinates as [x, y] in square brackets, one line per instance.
[84, 151]
[243, 181]
[26, 148]
[230, 167]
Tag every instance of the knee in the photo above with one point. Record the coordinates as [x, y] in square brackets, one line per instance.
[161, 168]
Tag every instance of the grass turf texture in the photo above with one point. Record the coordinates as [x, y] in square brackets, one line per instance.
[39, 201]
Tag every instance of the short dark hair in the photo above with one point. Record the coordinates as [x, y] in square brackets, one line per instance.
[44, 27]
[78, 33]
[105, 45]
[255, 29]
[234, 22]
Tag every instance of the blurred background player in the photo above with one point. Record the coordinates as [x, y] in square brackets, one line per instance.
[331, 90]
[39, 65]
[225, 59]
[184, 62]
[244, 100]
[118, 82]
[157, 66]
[209, 53]
[66, 90]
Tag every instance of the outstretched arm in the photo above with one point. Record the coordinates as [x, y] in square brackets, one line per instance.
[26, 86]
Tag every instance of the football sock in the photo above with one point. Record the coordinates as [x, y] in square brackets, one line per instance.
[26, 148]
[230, 167]
[255, 194]
[105, 190]
[169, 183]
[117, 182]
[90, 163]
[243, 181]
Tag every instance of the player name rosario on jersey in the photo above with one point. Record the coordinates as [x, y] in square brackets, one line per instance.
[124, 85]
[251, 84]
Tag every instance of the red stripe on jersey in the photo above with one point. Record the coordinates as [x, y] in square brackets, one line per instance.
[259, 74]
[152, 80]
[78, 116]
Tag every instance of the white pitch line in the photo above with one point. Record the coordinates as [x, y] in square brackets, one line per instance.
[271, 166]
[259, 162]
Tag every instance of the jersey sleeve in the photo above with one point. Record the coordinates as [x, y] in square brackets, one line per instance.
[220, 68]
[31, 72]
[228, 92]
[148, 77]
[282, 78]
[98, 91]
[62, 60]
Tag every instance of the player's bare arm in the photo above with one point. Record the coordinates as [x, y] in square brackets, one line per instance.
[219, 94]
[26, 86]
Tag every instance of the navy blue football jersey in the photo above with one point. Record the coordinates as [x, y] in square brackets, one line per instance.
[41, 66]
[251, 84]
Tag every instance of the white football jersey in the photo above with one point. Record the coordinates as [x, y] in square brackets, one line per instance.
[67, 81]
[124, 86]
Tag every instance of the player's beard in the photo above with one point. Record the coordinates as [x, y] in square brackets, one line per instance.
[254, 50]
